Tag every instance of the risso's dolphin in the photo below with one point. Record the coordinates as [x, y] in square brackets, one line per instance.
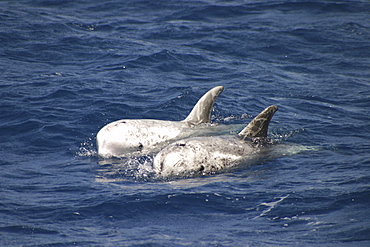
[127, 137]
[207, 155]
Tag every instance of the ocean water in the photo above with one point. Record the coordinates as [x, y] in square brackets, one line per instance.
[67, 68]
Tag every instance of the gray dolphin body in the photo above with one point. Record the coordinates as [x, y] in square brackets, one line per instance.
[206, 155]
[143, 136]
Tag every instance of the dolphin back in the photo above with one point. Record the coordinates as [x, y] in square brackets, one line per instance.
[258, 127]
[201, 112]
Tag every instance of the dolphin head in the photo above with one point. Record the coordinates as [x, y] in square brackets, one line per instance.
[180, 158]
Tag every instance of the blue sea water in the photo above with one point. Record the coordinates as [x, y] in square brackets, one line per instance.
[70, 67]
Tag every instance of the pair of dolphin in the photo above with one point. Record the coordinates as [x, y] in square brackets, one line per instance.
[181, 152]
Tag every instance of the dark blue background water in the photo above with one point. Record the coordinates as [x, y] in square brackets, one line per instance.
[67, 68]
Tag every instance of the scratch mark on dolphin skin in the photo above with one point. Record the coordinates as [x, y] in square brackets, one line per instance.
[140, 147]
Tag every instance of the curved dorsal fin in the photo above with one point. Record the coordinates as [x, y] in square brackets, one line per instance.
[259, 125]
[201, 112]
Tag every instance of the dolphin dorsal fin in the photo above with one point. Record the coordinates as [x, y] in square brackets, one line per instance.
[259, 125]
[201, 112]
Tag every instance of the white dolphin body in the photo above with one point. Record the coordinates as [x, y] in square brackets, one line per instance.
[206, 155]
[127, 137]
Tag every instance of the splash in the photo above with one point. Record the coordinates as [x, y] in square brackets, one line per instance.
[87, 148]
[126, 169]
[270, 206]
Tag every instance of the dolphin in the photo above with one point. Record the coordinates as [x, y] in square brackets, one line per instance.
[207, 155]
[128, 137]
